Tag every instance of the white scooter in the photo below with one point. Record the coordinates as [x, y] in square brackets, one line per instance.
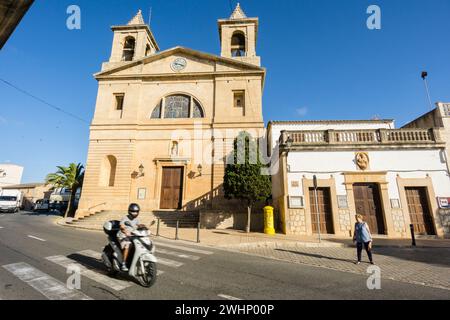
[141, 260]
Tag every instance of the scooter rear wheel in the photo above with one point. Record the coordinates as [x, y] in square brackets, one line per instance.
[149, 277]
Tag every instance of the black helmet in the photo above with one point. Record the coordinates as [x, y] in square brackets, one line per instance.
[134, 209]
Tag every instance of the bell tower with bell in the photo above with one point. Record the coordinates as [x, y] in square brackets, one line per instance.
[238, 37]
[131, 42]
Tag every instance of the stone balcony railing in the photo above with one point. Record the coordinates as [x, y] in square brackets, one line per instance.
[360, 137]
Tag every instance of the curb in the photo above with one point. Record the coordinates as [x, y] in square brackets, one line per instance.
[62, 223]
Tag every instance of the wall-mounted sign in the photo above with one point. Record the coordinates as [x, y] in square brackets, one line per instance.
[444, 202]
[142, 193]
[342, 202]
[296, 202]
[395, 203]
[295, 184]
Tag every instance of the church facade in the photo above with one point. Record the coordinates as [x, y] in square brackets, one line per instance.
[165, 121]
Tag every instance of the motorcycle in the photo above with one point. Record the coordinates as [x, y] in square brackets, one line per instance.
[141, 259]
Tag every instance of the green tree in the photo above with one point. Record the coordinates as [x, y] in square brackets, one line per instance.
[243, 178]
[71, 178]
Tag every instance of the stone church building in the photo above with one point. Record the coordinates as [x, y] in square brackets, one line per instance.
[165, 121]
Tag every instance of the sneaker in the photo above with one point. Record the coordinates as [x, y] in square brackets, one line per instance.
[371, 262]
[358, 262]
[124, 267]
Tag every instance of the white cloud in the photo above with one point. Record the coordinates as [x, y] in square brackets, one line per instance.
[302, 111]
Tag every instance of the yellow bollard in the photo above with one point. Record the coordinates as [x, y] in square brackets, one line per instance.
[269, 226]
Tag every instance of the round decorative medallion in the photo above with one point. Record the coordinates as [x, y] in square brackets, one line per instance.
[179, 64]
[362, 160]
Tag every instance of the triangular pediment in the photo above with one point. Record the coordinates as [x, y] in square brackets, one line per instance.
[192, 61]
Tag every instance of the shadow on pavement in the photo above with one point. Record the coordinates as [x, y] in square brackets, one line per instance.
[316, 255]
[42, 213]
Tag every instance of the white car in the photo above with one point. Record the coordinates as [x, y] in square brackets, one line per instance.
[42, 205]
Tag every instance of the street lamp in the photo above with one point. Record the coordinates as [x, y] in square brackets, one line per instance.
[141, 170]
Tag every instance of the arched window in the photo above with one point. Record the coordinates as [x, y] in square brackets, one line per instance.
[178, 106]
[108, 171]
[238, 48]
[128, 49]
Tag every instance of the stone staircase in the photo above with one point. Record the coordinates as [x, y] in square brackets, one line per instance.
[186, 219]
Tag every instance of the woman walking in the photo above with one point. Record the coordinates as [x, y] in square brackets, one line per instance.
[362, 237]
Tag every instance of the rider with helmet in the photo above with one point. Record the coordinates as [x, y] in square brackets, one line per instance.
[128, 224]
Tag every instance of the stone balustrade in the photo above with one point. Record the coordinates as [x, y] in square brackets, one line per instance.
[360, 137]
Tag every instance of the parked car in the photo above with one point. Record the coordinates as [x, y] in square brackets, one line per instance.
[42, 205]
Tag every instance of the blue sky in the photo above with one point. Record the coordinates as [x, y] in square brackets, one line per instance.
[322, 63]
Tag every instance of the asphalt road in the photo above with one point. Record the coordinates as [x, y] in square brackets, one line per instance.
[33, 250]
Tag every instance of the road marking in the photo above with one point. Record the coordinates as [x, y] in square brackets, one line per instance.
[36, 238]
[51, 288]
[91, 273]
[98, 256]
[1, 227]
[177, 254]
[160, 244]
[224, 296]
[169, 263]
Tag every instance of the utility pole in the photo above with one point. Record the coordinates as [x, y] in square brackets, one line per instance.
[424, 77]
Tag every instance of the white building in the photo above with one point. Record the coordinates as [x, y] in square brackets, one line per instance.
[10, 174]
[394, 178]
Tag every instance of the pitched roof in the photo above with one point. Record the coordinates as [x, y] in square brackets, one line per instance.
[238, 13]
[183, 50]
[138, 19]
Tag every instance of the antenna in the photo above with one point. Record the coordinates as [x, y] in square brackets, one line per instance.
[150, 16]
[424, 77]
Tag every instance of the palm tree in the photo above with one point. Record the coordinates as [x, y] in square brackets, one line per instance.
[70, 177]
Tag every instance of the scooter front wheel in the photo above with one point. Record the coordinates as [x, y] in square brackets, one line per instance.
[149, 277]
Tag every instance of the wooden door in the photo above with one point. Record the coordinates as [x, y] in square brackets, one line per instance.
[419, 211]
[325, 212]
[368, 204]
[171, 188]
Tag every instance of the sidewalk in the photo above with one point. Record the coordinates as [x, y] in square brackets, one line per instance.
[239, 239]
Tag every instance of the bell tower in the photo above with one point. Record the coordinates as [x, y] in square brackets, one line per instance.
[238, 37]
[131, 42]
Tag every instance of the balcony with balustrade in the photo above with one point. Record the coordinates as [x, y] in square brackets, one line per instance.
[370, 139]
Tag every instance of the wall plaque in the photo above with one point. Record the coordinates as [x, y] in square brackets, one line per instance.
[342, 202]
[296, 202]
[142, 193]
